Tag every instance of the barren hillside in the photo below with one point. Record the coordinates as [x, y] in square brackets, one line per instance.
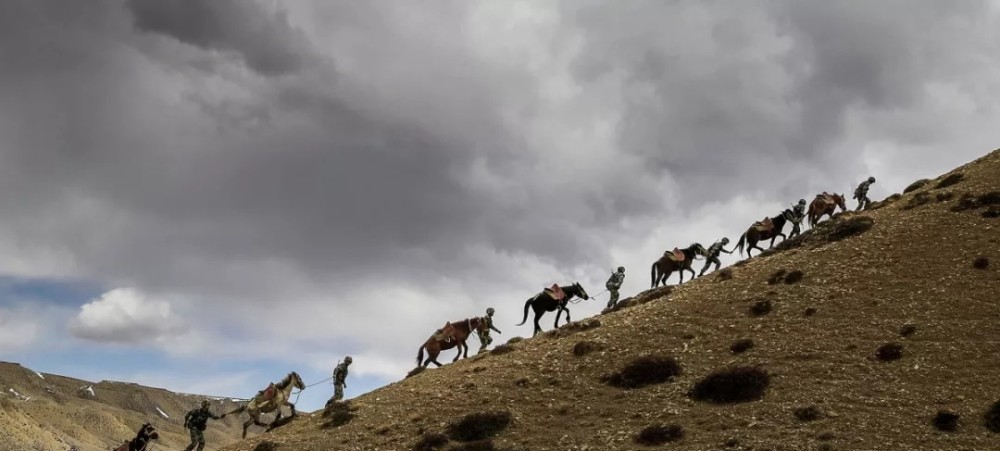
[877, 330]
[45, 412]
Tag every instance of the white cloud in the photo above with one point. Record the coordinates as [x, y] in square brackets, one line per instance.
[125, 315]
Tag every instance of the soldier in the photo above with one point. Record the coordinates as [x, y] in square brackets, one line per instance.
[340, 378]
[712, 254]
[196, 420]
[798, 214]
[613, 284]
[861, 193]
[484, 337]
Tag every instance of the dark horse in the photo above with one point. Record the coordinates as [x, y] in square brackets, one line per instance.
[147, 433]
[554, 298]
[753, 235]
[666, 265]
[825, 204]
[457, 332]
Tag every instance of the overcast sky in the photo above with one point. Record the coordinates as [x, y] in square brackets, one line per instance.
[204, 195]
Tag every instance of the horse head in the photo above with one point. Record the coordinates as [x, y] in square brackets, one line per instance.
[580, 291]
[297, 381]
[840, 201]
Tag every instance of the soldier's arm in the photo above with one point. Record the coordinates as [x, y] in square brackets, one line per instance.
[723, 249]
[495, 328]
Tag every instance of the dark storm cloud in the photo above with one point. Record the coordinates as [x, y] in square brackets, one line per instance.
[265, 39]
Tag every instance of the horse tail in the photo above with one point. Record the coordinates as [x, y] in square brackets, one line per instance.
[239, 409]
[652, 275]
[739, 244]
[420, 354]
[527, 305]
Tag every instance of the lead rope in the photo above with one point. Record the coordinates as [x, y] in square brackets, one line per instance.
[307, 386]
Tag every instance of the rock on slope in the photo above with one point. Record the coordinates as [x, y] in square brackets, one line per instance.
[41, 412]
[862, 331]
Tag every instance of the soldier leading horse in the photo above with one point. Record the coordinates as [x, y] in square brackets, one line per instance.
[458, 332]
[271, 399]
[768, 228]
[678, 259]
[550, 299]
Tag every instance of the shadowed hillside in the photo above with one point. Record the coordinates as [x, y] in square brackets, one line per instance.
[876, 330]
[42, 412]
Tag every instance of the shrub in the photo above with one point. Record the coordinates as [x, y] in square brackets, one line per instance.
[431, 442]
[515, 340]
[908, 330]
[945, 421]
[810, 413]
[502, 349]
[990, 198]
[776, 277]
[886, 202]
[793, 277]
[889, 352]
[810, 311]
[586, 347]
[918, 200]
[851, 227]
[415, 371]
[659, 434]
[916, 185]
[944, 197]
[966, 202]
[825, 437]
[644, 371]
[981, 263]
[741, 346]
[478, 445]
[725, 274]
[761, 308]
[337, 414]
[479, 426]
[266, 446]
[950, 180]
[733, 385]
[992, 418]
[992, 212]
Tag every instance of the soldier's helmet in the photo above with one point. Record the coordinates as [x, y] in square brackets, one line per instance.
[348, 359]
[802, 201]
[871, 179]
[621, 269]
[205, 403]
[725, 240]
[489, 311]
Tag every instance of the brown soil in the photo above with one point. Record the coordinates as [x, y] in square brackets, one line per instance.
[57, 414]
[867, 275]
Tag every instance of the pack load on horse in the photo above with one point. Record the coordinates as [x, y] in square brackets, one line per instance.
[825, 204]
[675, 260]
[143, 439]
[767, 228]
[271, 399]
[553, 298]
[453, 334]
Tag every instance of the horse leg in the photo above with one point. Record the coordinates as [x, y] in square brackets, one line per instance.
[568, 319]
[538, 328]
[246, 425]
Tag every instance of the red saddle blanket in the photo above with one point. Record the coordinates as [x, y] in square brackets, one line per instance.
[676, 255]
[764, 225]
[556, 292]
[267, 393]
[826, 198]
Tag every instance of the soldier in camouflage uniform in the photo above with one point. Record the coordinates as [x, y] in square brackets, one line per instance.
[712, 254]
[340, 378]
[613, 284]
[196, 421]
[861, 193]
[798, 214]
[484, 337]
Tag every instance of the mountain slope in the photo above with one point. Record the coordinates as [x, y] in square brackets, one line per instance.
[912, 273]
[44, 412]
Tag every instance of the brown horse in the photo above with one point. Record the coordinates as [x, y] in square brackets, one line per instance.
[668, 263]
[825, 204]
[768, 229]
[457, 333]
[271, 399]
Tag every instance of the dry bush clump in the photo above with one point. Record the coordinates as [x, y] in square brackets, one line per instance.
[725, 274]
[944, 197]
[992, 418]
[981, 263]
[415, 371]
[990, 198]
[810, 311]
[825, 437]
[659, 434]
[889, 352]
[502, 349]
[992, 212]
[950, 180]
[515, 340]
[479, 426]
[266, 445]
[741, 346]
[761, 308]
[644, 371]
[777, 277]
[337, 413]
[431, 442]
[793, 277]
[809, 413]
[732, 385]
[966, 202]
[586, 347]
[945, 421]
[908, 330]
[849, 228]
[917, 200]
[478, 445]
[916, 185]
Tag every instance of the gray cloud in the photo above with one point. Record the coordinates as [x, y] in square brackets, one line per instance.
[446, 150]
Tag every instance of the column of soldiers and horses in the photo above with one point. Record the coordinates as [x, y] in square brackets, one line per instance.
[554, 298]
